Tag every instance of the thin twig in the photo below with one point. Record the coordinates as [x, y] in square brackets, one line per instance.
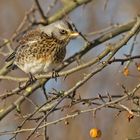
[77, 113]
[41, 11]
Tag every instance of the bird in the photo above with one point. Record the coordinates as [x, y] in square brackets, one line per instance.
[43, 49]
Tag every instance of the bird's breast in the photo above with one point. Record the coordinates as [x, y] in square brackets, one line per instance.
[58, 55]
[38, 67]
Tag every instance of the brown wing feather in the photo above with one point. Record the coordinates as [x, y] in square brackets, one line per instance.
[30, 35]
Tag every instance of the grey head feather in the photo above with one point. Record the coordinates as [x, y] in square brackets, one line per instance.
[56, 27]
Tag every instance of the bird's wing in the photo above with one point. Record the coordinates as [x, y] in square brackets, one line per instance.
[31, 36]
[27, 39]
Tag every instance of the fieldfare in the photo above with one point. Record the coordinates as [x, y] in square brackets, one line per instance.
[41, 50]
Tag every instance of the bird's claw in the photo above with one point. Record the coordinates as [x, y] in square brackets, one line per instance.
[55, 74]
[31, 80]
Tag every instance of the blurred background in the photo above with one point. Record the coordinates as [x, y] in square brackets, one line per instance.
[92, 17]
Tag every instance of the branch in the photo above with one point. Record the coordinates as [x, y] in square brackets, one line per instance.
[41, 11]
[70, 60]
[131, 93]
[59, 15]
[65, 73]
[118, 46]
[122, 60]
[117, 31]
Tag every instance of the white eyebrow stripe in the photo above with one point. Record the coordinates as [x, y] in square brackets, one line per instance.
[31, 42]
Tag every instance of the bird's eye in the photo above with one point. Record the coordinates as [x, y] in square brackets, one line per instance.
[63, 32]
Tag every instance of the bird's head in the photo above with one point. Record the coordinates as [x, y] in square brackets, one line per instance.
[62, 30]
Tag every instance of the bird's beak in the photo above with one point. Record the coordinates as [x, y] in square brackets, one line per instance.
[74, 34]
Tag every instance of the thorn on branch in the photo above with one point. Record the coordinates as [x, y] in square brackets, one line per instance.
[100, 96]
[109, 97]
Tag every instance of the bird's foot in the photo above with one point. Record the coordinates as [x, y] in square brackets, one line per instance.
[55, 74]
[31, 80]
[19, 86]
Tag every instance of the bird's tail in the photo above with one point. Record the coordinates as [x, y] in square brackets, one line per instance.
[11, 57]
[11, 66]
